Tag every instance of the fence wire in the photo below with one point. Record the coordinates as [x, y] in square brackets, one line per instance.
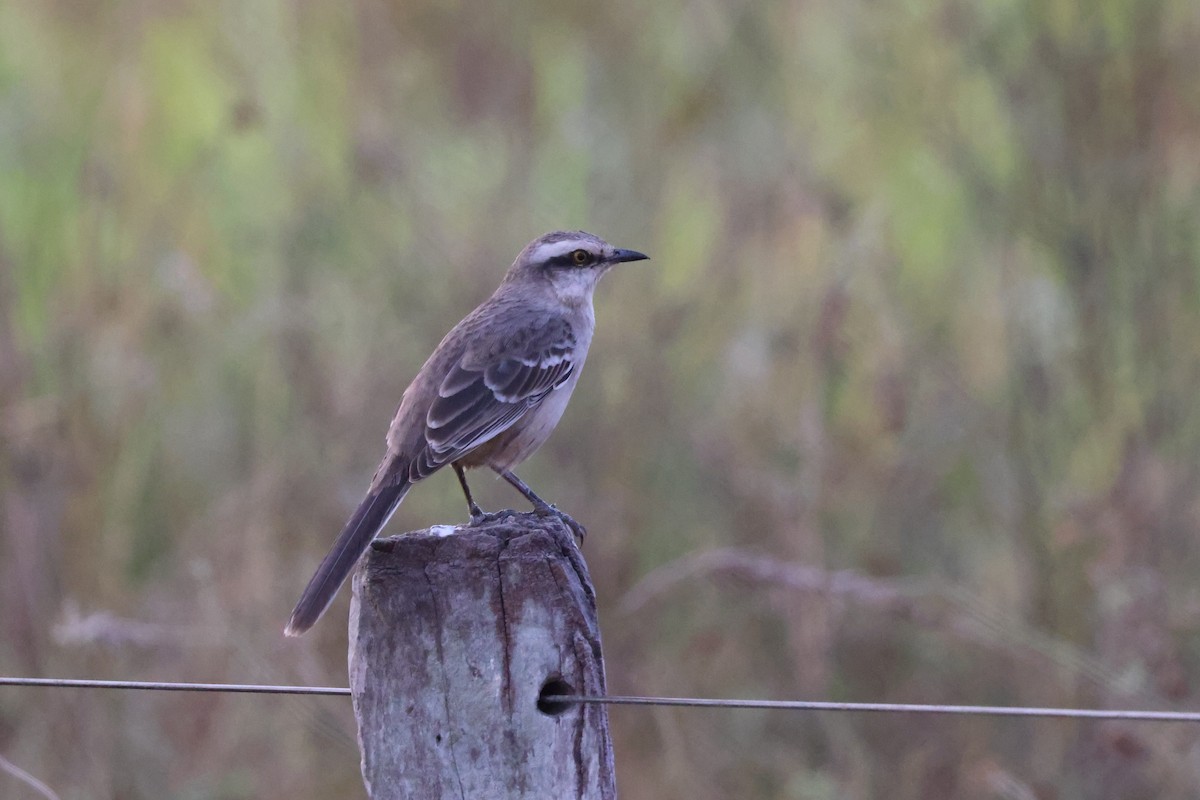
[1132, 715]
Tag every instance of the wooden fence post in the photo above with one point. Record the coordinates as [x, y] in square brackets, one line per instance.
[453, 639]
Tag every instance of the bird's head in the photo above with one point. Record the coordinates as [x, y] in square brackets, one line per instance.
[569, 262]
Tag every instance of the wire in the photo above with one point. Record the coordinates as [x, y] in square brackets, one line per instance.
[245, 688]
[690, 702]
[901, 708]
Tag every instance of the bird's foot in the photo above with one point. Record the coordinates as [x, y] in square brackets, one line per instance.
[547, 510]
[481, 517]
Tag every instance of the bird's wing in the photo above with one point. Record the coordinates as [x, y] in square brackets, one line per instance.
[484, 394]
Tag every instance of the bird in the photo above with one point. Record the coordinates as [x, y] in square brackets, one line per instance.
[489, 395]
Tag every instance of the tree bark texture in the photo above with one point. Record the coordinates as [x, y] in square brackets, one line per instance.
[452, 640]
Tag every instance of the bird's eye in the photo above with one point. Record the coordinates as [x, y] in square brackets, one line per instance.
[580, 257]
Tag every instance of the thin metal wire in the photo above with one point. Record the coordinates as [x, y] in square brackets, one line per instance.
[901, 708]
[245, 688]
[1135, 715]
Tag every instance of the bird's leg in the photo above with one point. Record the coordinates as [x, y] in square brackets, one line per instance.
[540, 506]
[477, 515]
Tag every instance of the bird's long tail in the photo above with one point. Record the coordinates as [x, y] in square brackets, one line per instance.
[370, 516]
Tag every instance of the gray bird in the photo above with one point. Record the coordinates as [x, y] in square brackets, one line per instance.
[490, 395]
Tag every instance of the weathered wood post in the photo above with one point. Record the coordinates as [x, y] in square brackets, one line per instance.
[453, 639]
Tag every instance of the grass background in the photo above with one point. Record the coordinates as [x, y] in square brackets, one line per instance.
[904, 408]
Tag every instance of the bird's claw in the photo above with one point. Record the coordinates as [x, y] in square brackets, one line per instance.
[481, 517]
[547, 510]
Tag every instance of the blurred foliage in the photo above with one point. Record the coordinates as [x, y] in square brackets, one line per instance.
[924, 307]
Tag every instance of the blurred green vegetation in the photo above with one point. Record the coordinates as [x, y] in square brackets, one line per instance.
[924, 306]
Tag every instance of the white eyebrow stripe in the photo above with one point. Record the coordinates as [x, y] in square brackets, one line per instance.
[545, 252]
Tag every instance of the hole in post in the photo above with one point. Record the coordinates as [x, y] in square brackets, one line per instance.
[553, 687]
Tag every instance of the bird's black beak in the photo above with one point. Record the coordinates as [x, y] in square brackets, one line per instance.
[620, 255]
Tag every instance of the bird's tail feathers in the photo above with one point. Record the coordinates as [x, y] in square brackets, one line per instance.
[370, 516]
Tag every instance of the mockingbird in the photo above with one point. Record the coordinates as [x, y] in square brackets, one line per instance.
[490, 394]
